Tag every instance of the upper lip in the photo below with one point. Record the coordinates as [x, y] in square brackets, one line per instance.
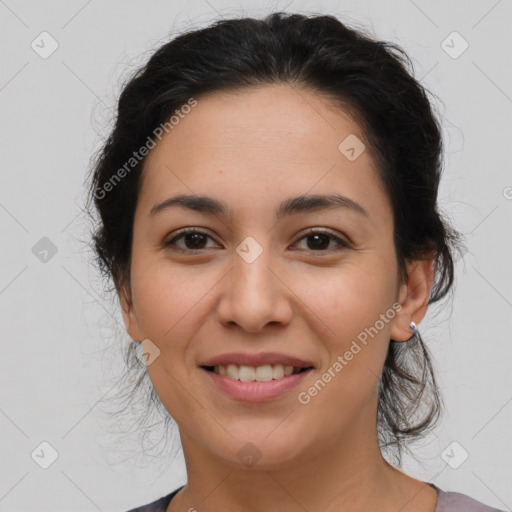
[261, 359]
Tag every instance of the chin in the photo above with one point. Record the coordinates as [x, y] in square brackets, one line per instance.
[262, 448]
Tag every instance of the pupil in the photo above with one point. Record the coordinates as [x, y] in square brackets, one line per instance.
[197, 240]
[319, 245]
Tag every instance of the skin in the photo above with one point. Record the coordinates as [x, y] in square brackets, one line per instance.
[252, 149]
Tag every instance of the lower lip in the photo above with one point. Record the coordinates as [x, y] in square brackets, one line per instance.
[256, 391]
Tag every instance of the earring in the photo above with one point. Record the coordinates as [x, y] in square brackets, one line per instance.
[413, 328]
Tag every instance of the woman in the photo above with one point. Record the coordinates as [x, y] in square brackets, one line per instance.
[268, 215]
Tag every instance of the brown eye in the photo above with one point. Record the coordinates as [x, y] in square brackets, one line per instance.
[319, 241]
[192, 240]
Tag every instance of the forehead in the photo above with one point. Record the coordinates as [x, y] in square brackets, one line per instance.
[271, 140]
[270, 121]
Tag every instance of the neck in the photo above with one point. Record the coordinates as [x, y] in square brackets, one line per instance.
[334, 476]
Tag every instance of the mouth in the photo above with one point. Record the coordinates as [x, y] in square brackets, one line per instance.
[256, 377]
[264, 373]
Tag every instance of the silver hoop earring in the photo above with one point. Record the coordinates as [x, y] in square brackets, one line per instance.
[413, 328]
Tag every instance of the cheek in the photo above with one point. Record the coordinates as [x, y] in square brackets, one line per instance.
[350, 302]
[351, 297]
[161, 294]
[172, 303]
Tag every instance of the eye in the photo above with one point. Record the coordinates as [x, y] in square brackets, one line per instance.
[192, 239]
[319, 240]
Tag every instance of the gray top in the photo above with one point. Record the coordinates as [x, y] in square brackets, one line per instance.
[447, 501]
[457, 502]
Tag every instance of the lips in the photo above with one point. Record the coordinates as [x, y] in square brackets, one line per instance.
[256, 377]
[255, 360]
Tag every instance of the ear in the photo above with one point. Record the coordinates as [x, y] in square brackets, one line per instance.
[129, 317]
[413, 295]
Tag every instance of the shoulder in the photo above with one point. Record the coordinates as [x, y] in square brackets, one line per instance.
[448, 501]
[159, 505]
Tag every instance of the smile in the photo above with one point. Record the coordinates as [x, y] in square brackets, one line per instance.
[263, 373]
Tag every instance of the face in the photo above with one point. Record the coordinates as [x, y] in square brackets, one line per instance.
[266, 274]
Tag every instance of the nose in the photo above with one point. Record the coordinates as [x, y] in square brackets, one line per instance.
[254, 295]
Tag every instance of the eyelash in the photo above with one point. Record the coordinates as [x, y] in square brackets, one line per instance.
[313, 231]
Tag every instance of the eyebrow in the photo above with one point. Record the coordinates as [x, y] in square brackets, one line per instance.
[292, 206]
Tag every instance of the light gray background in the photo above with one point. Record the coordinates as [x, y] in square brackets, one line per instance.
[60, 354]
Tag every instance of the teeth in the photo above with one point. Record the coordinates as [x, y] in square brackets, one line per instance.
[245, 374]
[277, 371]
[250, 373]
[264, 373]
